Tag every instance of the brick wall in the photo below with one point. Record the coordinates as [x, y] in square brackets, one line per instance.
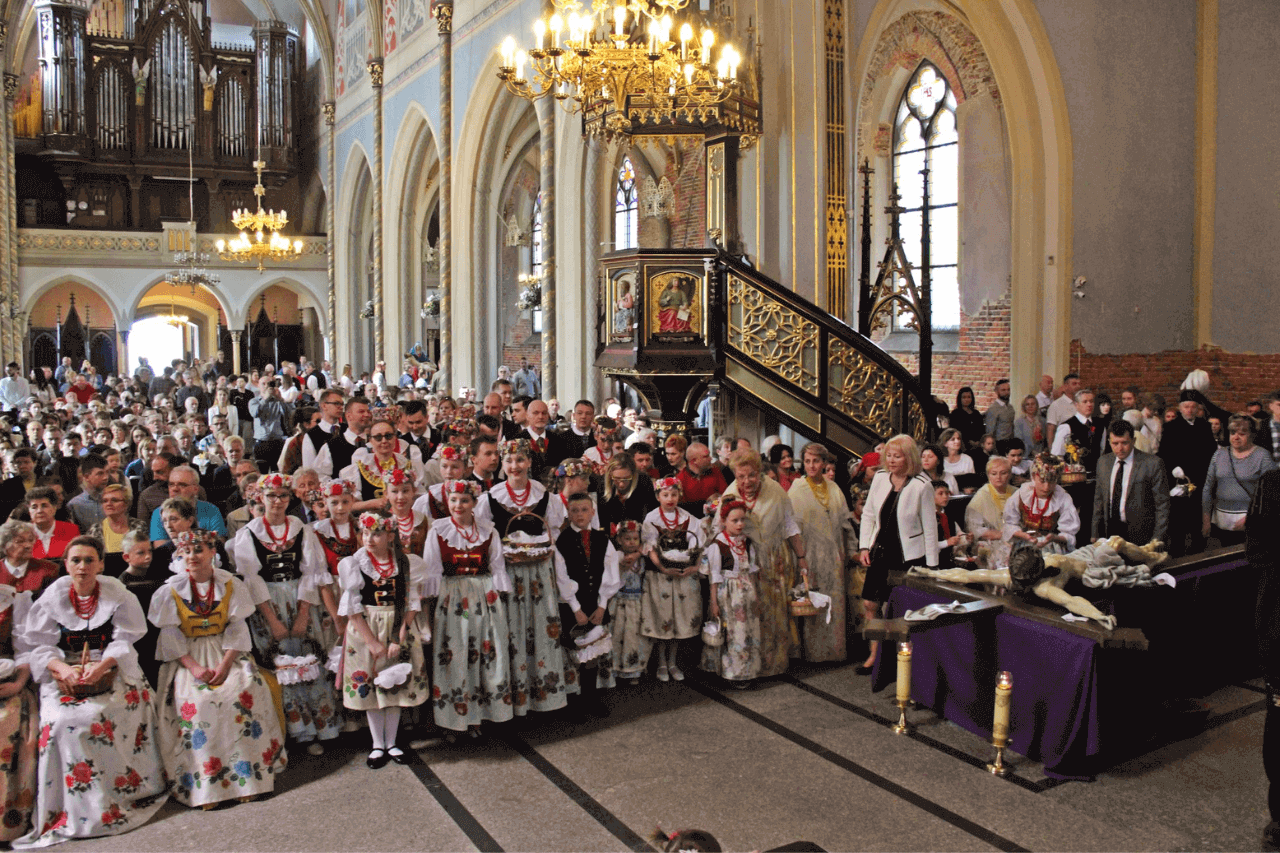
[982, 358]
[1234, 378]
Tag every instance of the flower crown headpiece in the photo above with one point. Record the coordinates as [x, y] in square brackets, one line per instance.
[729, 506]
[386, 415]
[461, 426]
[399, 477]
[517, 447]
[275, 481]
[337, 488]
[460, 487]
[1047, 467]
[372, 522]
[455, 454]
[188, 539]
[314, 495]
[668, 483]
[628, 526]
[573, 468]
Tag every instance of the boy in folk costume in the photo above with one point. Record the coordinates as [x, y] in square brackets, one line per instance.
[587, 577]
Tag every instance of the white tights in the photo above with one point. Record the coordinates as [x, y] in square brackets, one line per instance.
[383, 725]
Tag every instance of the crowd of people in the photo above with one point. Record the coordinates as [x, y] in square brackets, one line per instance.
[204, 571]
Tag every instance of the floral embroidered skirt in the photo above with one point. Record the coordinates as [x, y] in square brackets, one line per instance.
[19, 722]
[542, 674]
[631, 649]
[223, 742]
[311, 708]
[738, 657]
[359, 669]
[100, 770]
[471, 672]
[671, 608]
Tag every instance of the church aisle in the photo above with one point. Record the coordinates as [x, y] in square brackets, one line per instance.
[803, 757]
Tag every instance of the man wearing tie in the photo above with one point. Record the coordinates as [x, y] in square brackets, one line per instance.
[1131, 499]
[417, 431]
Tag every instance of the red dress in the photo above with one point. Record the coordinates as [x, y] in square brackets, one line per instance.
[63, 533]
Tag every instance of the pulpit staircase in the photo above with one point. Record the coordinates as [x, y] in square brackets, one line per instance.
[758, 339]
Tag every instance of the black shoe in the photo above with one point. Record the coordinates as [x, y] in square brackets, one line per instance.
[398, 755]
[377, 759]
[863, 670]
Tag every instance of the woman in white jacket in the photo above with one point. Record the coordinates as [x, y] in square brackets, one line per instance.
[899, 527]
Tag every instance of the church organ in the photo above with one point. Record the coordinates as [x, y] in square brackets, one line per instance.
[128, 89]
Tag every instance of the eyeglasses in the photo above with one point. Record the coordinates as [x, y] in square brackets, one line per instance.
[270, 497]
[382, 436]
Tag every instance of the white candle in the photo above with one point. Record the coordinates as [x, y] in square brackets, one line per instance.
[1004, 695]
[903, 689]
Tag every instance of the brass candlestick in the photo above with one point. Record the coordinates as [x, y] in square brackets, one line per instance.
[903, 690]
[1000, 724]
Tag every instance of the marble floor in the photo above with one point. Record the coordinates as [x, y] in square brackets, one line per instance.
[805, 757]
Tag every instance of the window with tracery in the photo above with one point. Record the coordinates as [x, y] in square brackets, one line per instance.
[924, 134]
[626, 208]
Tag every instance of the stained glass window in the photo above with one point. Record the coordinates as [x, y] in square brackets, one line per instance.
[924, 134]
[626, 208]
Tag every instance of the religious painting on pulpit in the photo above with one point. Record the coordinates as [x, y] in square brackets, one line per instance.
[675, 306]
[622, 302]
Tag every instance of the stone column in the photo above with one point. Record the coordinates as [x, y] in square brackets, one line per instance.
[122, 353]
[591, 264]
[235, 350]
[10, 344]
[330, 110]
[444, 142]
[379, 325]
[546, 108]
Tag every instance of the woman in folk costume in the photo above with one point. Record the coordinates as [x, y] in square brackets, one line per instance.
[542, 675]
[19, 717]
[218, 719]
[453, 463]
[770, 523]
[1041, 512]
[382, 598]
[472, 670]
[100, 770]
[283, 565]
[411, 526]
[573, 476]
[730, 561]
[823, 515]
[370, 465]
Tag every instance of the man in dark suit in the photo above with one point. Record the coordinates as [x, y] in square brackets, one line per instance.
[1269, 431]
[1131, 499]
[1187, 443]
[1262, 545]
[549, 448]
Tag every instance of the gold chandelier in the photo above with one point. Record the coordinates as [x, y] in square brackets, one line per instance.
[259, 248]
[624, 65]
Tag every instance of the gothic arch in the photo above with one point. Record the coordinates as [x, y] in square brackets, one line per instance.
[353, 214]
[60, 279]
[1024, 76]
[152, 281]
[412, 190]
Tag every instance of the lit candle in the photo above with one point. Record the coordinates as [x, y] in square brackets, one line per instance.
[508, 51]
[574, 26]
[521, 56]
[688, 74]
[557, 24]
[708, 41]
[539, 33]
[222, 245]
[903, 689]
[1004, 694]
[619, 21]
[686, 33]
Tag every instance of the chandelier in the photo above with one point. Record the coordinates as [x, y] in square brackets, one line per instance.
[259, 247]
[173, 318]
[624, 65]
[193, 270]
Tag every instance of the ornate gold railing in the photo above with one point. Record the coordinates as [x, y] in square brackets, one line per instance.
[814, 370]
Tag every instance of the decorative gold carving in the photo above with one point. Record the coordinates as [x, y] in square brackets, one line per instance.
[837, 226]
[375, 73]
[773, 336]
[444, 16]
[80, 243]
[863, 390]
[917, 424]
[675, 305]
[330, 109]
[4, 34]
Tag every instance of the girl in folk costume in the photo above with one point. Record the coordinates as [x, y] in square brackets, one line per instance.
[370, 465]
[339, 538]
[771, 525]
[823, 516]
[382, 598]
[411, 526]
[730, 560]
[631, 648]
[542, 675]
[218, 719]
[1041, 512]
[606, 433]
[19, 718]
[572, 477]
[100, 770]
[283, 565]
[471, 672]
[672, 605]
[456, 438]
[453, 462]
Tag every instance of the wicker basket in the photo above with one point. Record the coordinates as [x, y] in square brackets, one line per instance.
[713, 639]
[803, 606]
[523, 558]
[80, 689]
[1069, 477]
